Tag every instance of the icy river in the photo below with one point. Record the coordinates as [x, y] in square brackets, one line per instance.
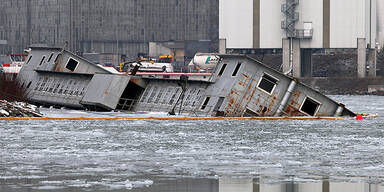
[212, 156]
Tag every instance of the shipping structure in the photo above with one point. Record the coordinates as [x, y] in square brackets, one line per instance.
[235, 86]
[13, 63]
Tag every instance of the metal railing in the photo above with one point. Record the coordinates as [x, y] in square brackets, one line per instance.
[304, 33]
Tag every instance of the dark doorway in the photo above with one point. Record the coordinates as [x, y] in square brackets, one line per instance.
[306, 62]
[130, 97]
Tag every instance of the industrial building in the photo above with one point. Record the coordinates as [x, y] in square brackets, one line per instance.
[299, 27]
[113, 26]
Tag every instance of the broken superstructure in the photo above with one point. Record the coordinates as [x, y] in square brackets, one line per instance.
[236, 86]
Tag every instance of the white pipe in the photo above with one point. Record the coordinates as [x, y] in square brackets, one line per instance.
[290, 57]
[285, 99]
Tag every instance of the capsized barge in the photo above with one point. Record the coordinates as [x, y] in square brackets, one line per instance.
[237, 86]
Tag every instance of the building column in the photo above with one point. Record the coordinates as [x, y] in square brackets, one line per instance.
[222, 46]
[296, 58]
[361, 57]
[292, 57]
[372, 60]
[286, 49]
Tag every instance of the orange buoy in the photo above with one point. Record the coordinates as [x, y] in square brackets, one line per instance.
[359, 117]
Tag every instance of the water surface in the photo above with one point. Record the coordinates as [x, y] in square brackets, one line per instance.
[153, 155]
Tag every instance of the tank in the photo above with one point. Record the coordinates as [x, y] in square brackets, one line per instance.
[205, 60]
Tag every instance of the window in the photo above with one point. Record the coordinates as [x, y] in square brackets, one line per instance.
[37, 85]
[158, 98]
[52, 86]
[236, 69]
[310, 106]
[67, 86]
[166, 96]
[153, 95]
[222, 70]
[29, 59]
[174, 95]
[57, 58]
[267, 83]
[250, 113]
[50, 57]
[48, 84]
[199, 97]
[42, 85]
[42, 60]
[73, 87]
[205, 103]
[82, 91]
[71, 64]
[57, 87]
[29, 84]
[189, 97]
[61, 87]
[145, 94]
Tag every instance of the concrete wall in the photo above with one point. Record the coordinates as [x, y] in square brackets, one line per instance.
[236, 23]
[349, 20]
[270, 24]
[347, 25]
[311, 11]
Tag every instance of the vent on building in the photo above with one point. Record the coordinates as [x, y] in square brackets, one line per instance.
[310, 106]
[267, 83]
[71, 64]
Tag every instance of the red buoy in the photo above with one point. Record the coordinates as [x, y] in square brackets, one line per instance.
[359, 117]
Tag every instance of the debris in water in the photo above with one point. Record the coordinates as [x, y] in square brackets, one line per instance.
[18, 109]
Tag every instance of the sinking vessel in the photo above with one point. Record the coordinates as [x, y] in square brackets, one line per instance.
[236, 86]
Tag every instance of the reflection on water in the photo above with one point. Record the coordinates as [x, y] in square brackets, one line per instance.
[253, 185]
[225, 184]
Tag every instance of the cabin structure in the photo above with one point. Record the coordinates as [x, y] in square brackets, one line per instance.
[237, 86]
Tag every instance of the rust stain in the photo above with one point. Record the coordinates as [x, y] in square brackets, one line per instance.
[260, 109]
[231, 100]
[257, 101]
[58, 68]
[292, 111]
[294, 100]
[134, 80]
[270, 106]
